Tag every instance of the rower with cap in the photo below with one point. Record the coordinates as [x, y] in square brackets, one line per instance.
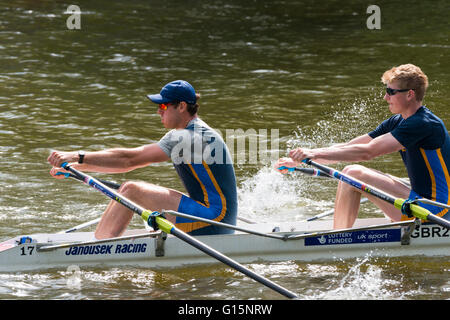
[199, 156]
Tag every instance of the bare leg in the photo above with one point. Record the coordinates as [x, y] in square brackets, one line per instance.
[116, 217]
[348, 197]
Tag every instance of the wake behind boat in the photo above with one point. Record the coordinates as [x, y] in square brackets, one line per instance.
[296, 241]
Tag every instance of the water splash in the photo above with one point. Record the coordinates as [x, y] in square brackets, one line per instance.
[354, 119]
[270, 195]
[363, 280]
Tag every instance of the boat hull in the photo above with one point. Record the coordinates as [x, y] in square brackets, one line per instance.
[58, 251]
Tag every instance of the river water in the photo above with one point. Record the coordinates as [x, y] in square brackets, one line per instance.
[287, 73]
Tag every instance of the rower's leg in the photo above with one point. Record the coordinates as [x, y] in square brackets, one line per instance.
[346, 206]
[116, 217]
[348, 197]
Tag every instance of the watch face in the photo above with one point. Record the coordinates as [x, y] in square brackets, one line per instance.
[80, 156]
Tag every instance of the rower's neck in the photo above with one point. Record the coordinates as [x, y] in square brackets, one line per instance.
[412, 109]
[185, 123]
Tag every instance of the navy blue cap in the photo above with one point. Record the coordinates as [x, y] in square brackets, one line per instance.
[178, 90]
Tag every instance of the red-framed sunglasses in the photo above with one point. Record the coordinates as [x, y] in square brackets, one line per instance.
[164, 106]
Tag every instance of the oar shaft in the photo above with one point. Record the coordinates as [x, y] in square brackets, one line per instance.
[353, 182]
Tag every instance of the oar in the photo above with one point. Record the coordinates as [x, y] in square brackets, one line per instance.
[405, 205]
[154, 219]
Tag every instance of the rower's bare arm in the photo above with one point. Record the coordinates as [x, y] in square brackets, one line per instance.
[361, 140]
[145, 155]
[358, 140]
[358, 151]
[327, 155]
[115, 160]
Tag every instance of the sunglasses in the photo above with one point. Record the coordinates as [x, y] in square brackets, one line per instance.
[164, 106]
[392, 92]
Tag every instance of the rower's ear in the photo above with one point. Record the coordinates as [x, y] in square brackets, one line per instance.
[182, 106]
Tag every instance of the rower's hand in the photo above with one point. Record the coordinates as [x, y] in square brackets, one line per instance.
[300, 154]
[56, 158]
[285, 162]
[58, 173]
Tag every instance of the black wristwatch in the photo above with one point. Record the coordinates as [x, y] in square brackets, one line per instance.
[81, 156]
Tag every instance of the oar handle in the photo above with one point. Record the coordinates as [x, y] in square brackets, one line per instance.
[110, 184]
[308, 171]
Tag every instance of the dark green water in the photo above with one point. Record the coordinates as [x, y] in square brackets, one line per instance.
[309, 69]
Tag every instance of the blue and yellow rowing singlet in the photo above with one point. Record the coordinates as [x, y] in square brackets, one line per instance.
[203, 162]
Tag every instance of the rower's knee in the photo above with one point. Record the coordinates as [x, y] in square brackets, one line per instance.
[138, 190]
[129, 188]
[355, 171]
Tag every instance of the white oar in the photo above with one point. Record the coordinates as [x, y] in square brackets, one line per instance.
[81, 226]
[328, 213]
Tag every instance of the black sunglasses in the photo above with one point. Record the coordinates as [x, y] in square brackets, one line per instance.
[392, 92]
